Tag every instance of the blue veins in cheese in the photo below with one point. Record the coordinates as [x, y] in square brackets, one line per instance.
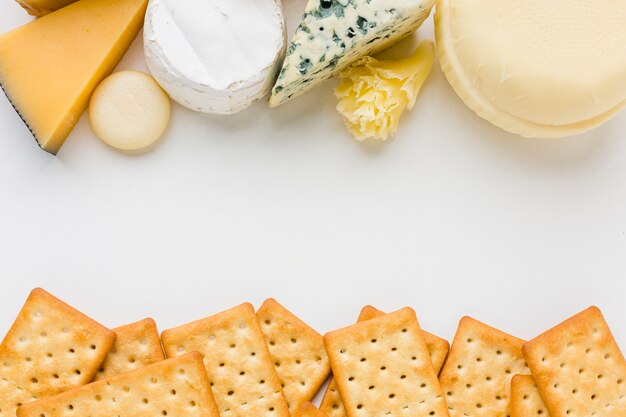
[335, 33]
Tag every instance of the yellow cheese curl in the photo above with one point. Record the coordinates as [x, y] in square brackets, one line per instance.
[373, 94]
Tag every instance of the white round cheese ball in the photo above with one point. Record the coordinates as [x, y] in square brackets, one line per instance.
[129, 111]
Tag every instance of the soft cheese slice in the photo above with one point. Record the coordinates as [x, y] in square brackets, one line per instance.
[42, 7]
[335, 33]
[50, 67]
[215, 56]
[534, 67]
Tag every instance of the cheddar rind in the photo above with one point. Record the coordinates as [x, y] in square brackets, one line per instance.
[42, 7]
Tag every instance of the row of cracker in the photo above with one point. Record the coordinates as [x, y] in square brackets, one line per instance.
[576, 369]
[270, 363]
[55, 361]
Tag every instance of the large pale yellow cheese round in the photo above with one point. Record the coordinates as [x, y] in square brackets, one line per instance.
[129, 111]
[538, 68]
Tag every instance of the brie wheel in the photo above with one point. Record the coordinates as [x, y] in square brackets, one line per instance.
[215, 56]
[129, 111]
[534, 67]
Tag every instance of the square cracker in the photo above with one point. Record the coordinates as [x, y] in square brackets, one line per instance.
[438, 348]
[136, 345]
[52, 347]
[11, 397]
[237, 360]
[175, 388]
[525, 398]
[297, 350]
[477, 374]
[382, 368]
[579, 369]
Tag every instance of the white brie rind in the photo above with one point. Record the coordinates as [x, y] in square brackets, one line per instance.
[215, 56]
[533, 67]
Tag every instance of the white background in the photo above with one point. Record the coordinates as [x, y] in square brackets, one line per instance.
[453, 217]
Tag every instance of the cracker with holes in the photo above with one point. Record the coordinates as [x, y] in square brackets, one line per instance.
[52, 347]
[476, 377]
[298, 351]
[237, 360]
[525, 398]
[11, 397]
[176, 387]
[382, 367]
[579, 369]
[438, 348]
[306, 409]
[136, 345]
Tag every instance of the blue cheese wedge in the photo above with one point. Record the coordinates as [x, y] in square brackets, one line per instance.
[335, 33]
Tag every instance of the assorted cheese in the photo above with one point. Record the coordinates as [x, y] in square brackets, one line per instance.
[129, 111]
[215, 56]
[374, 94]
[50, 67]
[42, 7]
[335, 33]
[534, 67]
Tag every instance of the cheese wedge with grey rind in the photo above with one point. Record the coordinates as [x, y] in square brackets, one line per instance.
[536, 68]
[335, 33]
[215, 56]
[50, 67]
